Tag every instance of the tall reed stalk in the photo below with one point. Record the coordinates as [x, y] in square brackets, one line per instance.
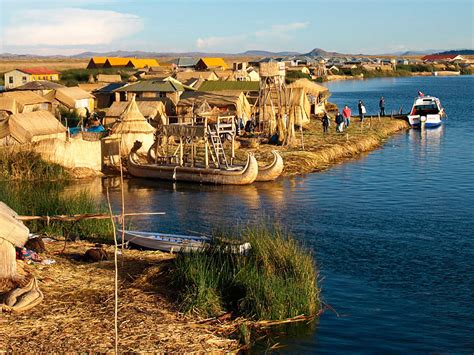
[276, 279]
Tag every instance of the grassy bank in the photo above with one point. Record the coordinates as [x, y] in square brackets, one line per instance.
[72, 77]
[43, 199]
[275, 280]
[25, 165]
[321, 151]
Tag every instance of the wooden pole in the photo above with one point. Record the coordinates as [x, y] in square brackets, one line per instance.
[206, 144]
[80, 217]
[180, 151]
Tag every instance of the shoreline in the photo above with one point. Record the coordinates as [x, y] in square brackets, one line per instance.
[322, 151]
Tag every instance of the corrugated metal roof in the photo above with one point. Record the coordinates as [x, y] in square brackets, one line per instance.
[38, 71]
[230, 86]
[186, 61]
[109, 88]
[39, 85]
[152, 86]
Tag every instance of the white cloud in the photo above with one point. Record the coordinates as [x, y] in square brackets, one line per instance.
[70, 27]
[273, 33]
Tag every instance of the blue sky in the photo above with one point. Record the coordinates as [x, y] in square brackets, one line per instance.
[74, 26]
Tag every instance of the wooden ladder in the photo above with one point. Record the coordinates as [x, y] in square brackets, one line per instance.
[219, 158]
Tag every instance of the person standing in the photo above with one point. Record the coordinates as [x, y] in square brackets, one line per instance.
[339, 122]
[346, 113]
[382, 106]
[325, 122]
[362, 110]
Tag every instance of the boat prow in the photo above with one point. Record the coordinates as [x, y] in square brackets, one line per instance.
[272, 171]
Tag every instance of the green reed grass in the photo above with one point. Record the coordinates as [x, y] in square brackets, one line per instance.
[27, 165]
[42, 199]
[276, 279]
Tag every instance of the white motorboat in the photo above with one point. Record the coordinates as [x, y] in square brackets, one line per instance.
[426, 112]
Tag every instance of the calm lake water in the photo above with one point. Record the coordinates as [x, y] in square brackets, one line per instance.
[391, 232]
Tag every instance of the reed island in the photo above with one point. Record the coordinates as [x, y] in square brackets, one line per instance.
[70, 279]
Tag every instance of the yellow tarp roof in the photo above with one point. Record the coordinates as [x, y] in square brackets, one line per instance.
[117, 62]
[214, 62]
[140, 63]
[99, 60]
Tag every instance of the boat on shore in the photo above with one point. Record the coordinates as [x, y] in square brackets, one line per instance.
[271, 171]
[176, 243]
[164, 242]
[426, 112]
[235, 175]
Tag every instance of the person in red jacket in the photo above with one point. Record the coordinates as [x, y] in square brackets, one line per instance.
[346, 113]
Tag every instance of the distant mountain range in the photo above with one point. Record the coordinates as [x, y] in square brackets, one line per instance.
[251, 53]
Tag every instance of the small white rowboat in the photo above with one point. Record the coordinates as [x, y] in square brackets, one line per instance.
[174, 243]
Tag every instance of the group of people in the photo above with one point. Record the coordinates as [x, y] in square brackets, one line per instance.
[343, 120]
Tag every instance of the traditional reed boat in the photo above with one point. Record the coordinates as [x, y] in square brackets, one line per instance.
[272, 171]
[231, 176]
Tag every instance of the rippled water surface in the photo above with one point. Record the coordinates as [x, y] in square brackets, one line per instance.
[391, 231]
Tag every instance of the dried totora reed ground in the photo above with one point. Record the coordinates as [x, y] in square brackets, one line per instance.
[77, 313]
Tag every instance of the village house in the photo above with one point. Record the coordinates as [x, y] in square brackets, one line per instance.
[186, 76]
[40, 87]
[153, 111]
[18, 77]
[28, 101]
[140, 63]
[211, 63]
[105, 95]
[243, 72]
[108, 78]
[73, 98]
[96, 62]
[29, 127]
[151, 89]
[442, 58]
[185, 62]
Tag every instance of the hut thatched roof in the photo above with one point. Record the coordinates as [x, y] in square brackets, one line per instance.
[109, 78]
[216, 99]
[149, 109]
[132, 121]
[69, 95]
[24, 127]
[310, 86]
[11, 229]
[39, 85]
[187, 75]
[25, 97]
[7, 104]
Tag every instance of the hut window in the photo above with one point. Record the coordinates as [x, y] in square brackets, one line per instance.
[10, 80]
[24, 79]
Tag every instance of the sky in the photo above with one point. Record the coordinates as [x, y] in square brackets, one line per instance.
[48, 27]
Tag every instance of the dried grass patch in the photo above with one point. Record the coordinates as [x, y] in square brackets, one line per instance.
[77, 312]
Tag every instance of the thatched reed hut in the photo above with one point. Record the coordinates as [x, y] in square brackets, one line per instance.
[30, 127]
[28, 101]
[219, 103]
[132, 126]
[153, 111]
[12, 234]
